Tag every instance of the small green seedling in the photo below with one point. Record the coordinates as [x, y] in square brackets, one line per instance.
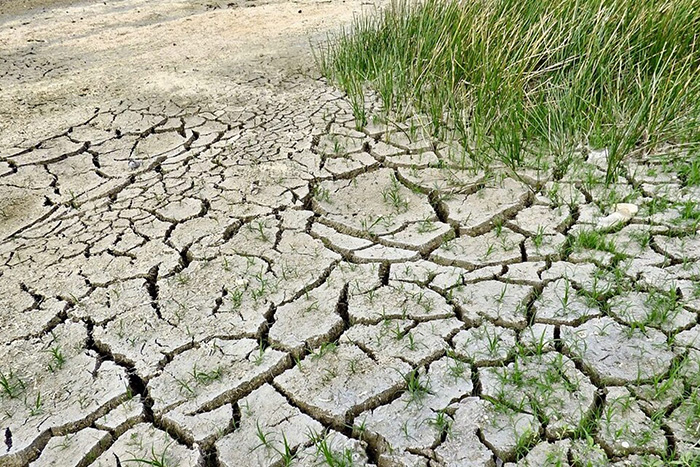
[155, 460]
[57, 359]
[11, 385]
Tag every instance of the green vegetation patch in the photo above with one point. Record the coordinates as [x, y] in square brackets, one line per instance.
[510, 79]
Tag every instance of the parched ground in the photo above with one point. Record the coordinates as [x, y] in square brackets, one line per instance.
[203, 262]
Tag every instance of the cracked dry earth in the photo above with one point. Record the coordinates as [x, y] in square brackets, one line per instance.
[221, 270]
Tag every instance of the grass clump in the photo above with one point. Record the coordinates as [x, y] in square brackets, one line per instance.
[512, 79]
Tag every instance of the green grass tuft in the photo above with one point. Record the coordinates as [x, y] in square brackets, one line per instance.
[515, 79]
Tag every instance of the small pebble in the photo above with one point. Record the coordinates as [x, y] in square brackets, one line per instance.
[133, 165]
[627, 209]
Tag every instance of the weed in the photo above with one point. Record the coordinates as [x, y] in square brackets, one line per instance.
[538, 238]
[338, 148]
[493, 341]
[501, 296]
[392, 196]
[524, 442]
[416, 388]
[263, 437]
[360, 430]
[540, 344]
[398, 332]
[411, 342]
[287, 454]
[325, 348]
[368, 224]
[322, 194]
[426, 225]
[236, 298]
[156, 460]
[689, 171]
[593, 240]
[204, 377]
[259, 228]
[442, 422]
[330, 457]
[260, 356]
[57, 359]
[329, 374]
[353, 365]
[36, 406]
[185, 387]
[12, 385]
[182, 279]
[689, 211]
[456, 368]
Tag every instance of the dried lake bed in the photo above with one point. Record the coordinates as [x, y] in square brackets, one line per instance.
[204, 262]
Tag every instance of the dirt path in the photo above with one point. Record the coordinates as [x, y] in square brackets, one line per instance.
[204, 262]
[57, 64]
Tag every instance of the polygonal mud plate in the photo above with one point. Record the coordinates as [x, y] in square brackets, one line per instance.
[624, 429]
[445, 180]
[144, 444]
[660, 395]
[140, 338]
[525, 273]
[202, 428]
[73, 449]
[538, 338]
[618, 354]
[416, 344]
[398, 300]
[542, 220]
[213, 374]
[684, 422]
[422, 272]
[583, 275]
[229, 295]
[587, 452]
[422, 236]
[497, 247]
[484, 345]
[462, 446]
[503, 304]
[122, 417]
[656, 309]
[337, 145]
[690, 368]
[384, 254]
[507, 432]
[417, 420]
[351, 165]
[549, 384]
[545, 247]
[268, 428]
[31, 320]
[547, 454]
[373, 203]
[332, 449]
[560, 303]
[404, 424]
[680, 248]
[338, 381]
[308, 321]
[475, 212]
[338, 241]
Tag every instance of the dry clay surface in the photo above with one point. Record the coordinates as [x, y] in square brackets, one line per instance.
[204, 262]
